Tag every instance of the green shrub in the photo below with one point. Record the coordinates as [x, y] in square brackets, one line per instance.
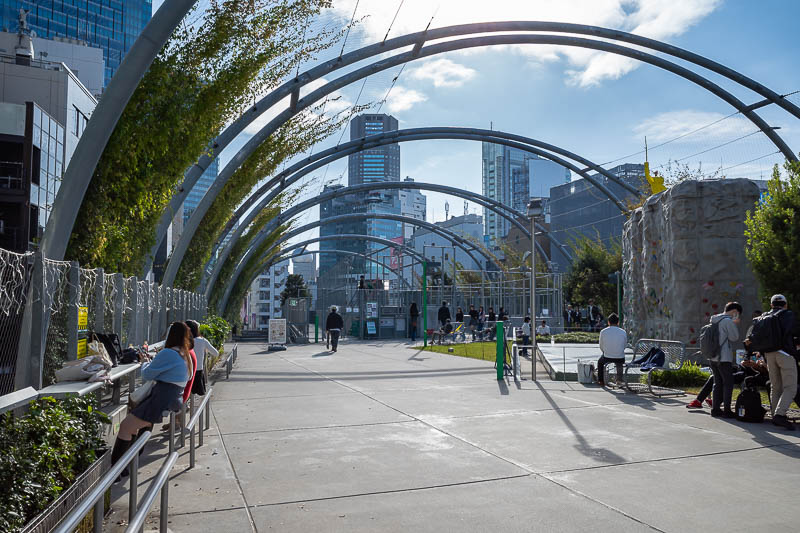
[689, 375]
[43, 452]
[216, 329]
[572, 337]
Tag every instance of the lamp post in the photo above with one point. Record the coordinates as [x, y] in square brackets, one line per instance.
[534, 210]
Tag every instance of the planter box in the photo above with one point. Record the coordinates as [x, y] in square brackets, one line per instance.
[56, 511]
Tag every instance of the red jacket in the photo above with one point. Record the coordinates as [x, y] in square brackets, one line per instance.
[188, 390]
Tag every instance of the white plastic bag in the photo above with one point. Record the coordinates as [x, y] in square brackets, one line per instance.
[585, 372]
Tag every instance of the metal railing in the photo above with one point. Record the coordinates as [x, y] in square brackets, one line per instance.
[95, 498]
[231, 360]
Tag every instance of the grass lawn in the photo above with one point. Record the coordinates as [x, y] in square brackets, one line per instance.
[475, 350]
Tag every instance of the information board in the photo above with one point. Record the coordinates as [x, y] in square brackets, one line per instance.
[277, 331]
[372, 309]
[371, 330]
[83, 326]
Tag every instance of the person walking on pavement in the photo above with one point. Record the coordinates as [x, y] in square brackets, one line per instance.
[444, 314]
[413, 317]
[782, 365]
[334, 325]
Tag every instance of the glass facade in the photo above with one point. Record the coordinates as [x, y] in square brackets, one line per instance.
[199, 190]
[48, 150]
[112, 25]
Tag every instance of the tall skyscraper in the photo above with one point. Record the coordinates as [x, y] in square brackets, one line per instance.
[112, 25]
[200, 189]
[377, 165]
[512, 177]
[413, 204]
[341, 206]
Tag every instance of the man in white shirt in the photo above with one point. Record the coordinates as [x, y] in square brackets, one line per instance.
[613, 341]
[544, 329]
[526, 334]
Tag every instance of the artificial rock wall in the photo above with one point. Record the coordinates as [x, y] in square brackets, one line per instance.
[683, 255]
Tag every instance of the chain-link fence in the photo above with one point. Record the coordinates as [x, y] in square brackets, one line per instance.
[47, 307]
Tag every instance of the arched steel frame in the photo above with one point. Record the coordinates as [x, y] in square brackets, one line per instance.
[509, 213]
[81, 168]
[298, 104]
[291, 175]
[345, 236]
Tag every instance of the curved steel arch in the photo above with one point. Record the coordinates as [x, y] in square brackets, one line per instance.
[311, 163]
[345, 236]
[418, 39]
[490, 204]
[303, 103]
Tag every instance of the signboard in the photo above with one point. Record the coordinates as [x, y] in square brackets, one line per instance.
[277, 331]
[83, 317]
[350, 309]
[372, 309]
[83, 326]
[83, 349]
[371, 328]
[400, 324]
[387, 322]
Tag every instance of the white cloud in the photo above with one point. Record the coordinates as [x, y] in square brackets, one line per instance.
[672, 124]
[402, 99]
[443, 73]
[657, 19]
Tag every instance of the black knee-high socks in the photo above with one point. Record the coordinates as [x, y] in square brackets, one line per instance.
[120, 447]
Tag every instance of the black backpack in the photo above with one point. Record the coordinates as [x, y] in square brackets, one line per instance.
[709, 340]
[748, 404]
[766, 335]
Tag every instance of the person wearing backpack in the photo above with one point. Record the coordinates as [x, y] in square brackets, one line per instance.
[781, 358]
[724, 329]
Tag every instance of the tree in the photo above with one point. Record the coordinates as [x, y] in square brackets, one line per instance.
[295, 288]
[773, 236]
[588, 278]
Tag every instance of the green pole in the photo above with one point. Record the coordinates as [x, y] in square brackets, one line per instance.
[316, 328]
[424, 304]
[501, 354]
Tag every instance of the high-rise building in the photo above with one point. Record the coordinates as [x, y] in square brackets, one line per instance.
[112, 25]
[265, 295]
[413, 204]
[204, 182]
[579, 209]
[437, 248]
[342, 205]
[512, 177]
[44, 109]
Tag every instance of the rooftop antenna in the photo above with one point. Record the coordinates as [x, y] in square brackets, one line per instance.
[466, 208]
[446, 210]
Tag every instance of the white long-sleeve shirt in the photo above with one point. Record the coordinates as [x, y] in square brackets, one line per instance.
[201, 348]
[613, 341]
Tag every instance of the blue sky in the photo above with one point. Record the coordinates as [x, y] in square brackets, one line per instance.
[595, 104]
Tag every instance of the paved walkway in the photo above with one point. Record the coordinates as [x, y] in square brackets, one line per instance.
[379, 437]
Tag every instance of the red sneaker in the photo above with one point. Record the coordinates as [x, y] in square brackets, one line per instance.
[709, 402]
[694, 405]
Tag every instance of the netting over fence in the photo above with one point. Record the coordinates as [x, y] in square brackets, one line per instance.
[15, 272]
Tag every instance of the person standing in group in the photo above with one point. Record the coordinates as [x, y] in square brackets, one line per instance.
[613, 341]
[459, 315]
[481, 319]
[170, 370]
[413, 317]
[491, 319]
[722, 365]
[473, 321]
[202, 349]
[782, 364]
[594, 316]
[333, 326]
[526, 334]
[444, 314]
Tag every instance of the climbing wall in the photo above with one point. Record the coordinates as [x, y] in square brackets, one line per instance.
[683, 254]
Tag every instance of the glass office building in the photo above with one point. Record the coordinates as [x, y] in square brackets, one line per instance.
[200, 189]
[112, 25]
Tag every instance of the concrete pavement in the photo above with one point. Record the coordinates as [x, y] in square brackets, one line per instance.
[380, 437]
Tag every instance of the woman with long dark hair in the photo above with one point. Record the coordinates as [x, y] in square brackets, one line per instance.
[413, 317]
[202, 349]
[171, 370]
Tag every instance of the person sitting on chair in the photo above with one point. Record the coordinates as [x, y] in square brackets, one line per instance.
[613, 340]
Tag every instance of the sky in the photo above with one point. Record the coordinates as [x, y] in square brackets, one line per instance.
[599, 105]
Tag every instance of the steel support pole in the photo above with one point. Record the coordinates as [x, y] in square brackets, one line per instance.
[99, 301]
[73, 300]
[424, 303]
[119, 304]
[533, 297]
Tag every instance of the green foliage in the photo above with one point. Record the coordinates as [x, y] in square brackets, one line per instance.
[43, 452]
[572, 337]
[295, 288]
[689, 375]
[587, 279]
[208, 74]
[773, 236]
[216, 329]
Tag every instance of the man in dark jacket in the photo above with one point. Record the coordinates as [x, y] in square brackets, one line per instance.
[334, 325]
[782, 365]
[444, 314]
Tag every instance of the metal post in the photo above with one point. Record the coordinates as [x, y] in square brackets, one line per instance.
[202, 423]
[425, 303]
[316, 328]
[133, 325]
[162, 312]
[501, 346]
[171, 432]
[164, 511]
[208, 412]
[99, 301]
[453, 298]
[533, 297]
[98, 515]
[133, 471]
[40, 303]
[154, 321]
[183, 425]
[191, 448]
[73, 300]
[145, 322]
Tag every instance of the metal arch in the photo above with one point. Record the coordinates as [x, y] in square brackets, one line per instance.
[293, 86]
[345, 236]
[311, 163]
[490, 204]
[286, 256]
[453, 237]
[302, 103]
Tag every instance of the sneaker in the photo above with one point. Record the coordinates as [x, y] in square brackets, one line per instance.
[709, 402]
[694, 404]
[716, 413]
[782, 421]
[728, 414]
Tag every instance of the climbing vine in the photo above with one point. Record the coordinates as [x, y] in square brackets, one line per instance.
[211, 70]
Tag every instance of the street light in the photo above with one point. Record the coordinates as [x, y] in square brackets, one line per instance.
[534, 210]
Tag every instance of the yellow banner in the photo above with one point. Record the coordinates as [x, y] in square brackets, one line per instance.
[83, 317]
[82, 348]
